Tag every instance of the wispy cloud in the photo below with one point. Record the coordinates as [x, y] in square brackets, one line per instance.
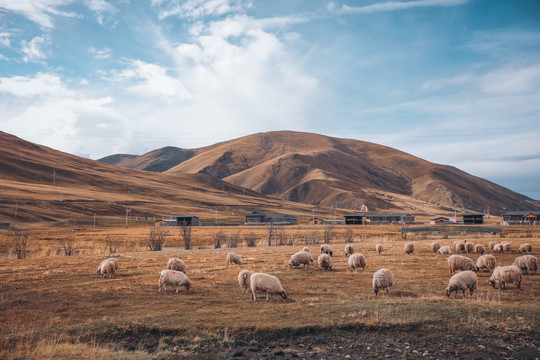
[100, 54]
[393, 6]
[101, 8]
[33, 51]
[38, 11]
[4, 39]
[199, 8]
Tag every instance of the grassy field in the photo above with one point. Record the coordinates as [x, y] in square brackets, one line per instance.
[56, 307]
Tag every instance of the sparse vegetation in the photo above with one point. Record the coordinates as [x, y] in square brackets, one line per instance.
[233, 239]
[219, 239]
[349, 235]
[156, 238]
[112, 244]
[68, 241]
[329, 233]
[251, 239]
[19, 240]
[185, 234]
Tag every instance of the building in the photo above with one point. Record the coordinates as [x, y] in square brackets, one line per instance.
[354, 219]
[473, 218]
[439, 220]
[391, 218]
[276, 219]
[316, 221]
[522, 217]
[189, 220]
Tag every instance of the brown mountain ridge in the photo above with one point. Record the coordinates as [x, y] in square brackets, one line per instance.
[327, 171]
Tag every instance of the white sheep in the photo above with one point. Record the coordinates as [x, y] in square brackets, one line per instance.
[176, 264]
[300, 258]
[265, 283]
[505, 274]
[233, 258]
[435, 246]
[357, 261]
[108, 267]
[446, 250]
[325, 262]
[383, 279]
[527, 263]
[506, 246]
[486, 261]
[461, 282]
[459, 246]
[379, 248]
[306, 249]
[113, 260]
[525, 248]
[479, 249]
[498, 249]
[243, 280]
[408, 248]
[491, 245]
[173, 278]
[469, 247]
[326, 249]
[348, 249]
[459, 262]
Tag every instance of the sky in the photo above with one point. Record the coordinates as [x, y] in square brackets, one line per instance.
[454, 82]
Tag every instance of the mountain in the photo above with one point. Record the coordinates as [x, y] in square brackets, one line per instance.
[42, 184]
[326, 171]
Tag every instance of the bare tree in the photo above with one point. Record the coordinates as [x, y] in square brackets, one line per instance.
[219, 238]
[233, 239]
[349, 235]
[251, 239]
[328, 233]
[279, 234]
[19, 239]
[68, 240]
[271, 230]
[309, 236]
[112, 243]
[185, 233]
[156, 238]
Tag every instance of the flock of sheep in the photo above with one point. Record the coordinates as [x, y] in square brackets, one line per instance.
[257, 282]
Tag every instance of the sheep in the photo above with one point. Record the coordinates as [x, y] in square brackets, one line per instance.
[379, 248]
[408, 248]
[446, 250]
[459, 246]
[306, 249]
[525, 248]
[107, 267]
[173, 278]
[459, 262]
[382, 279]
[505, 274]
[487, 261]
[357, 261]
[528, 263]
[265, 283]
[300, 258]
[233, 258]
[479, 249]
[325, 262]
[176, 264]
[113, 260]
[326, 249]
[506, 246]
[469, 247]
[461, 282]
[243, 280]
[435, 246]
[491, 245]
[498, 249]
[348, 249]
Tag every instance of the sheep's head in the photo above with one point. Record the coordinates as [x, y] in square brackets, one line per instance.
[376, 291]
[187, 285]
[492, 283]
[331, 253]
[283, 294]
[447, 291]
[291, 263]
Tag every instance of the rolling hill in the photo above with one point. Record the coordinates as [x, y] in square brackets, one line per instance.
[326, 171]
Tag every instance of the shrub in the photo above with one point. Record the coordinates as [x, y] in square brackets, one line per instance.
[112, 244]
[329, 233]
[219, 238]
[185, 233]
[67, 243]
[349, 235]
[156, 238]
[251, 240]
[19, 239]
[233, 240]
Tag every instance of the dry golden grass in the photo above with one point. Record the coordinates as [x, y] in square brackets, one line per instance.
[55, 306]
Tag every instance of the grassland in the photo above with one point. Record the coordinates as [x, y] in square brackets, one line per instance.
[56, 307]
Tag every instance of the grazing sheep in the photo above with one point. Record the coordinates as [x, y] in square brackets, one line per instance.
[379, 248]
[382, 279]
[243, 280]
[357, 261]
[469, 247]
[505, 274]
[459, 262]
[408, 248]
[176, 264]
[348, 249]
[506, 246]
[525, 248]
[527, 263]
[173, 278]
[113, 260]
[435, 246]
[233, 258]
[265, 283]
[325, 262]
[300, 258]
[446, 250]
[491, 245]
[306, 249]
[326, 249]
[486, 261]
[459, 246]
[498, 249]
[461, 282]
[107, 267]
[479, 249]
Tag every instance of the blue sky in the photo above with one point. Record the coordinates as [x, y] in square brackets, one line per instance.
[452, 81]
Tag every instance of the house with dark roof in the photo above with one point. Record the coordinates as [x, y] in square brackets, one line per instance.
[276, 219]
[391, 218]
[354, 219]
[522, 217]
[473, 218]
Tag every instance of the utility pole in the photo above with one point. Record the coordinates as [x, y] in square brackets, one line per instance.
[128, 210]
[216, 217]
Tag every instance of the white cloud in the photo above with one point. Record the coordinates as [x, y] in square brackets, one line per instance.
[102, 9]
[199, 8]
[32, 50]
[512, 80]
[4, 39]
[100, 54]
[393, 6]
[38, 11]
[41, 84]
